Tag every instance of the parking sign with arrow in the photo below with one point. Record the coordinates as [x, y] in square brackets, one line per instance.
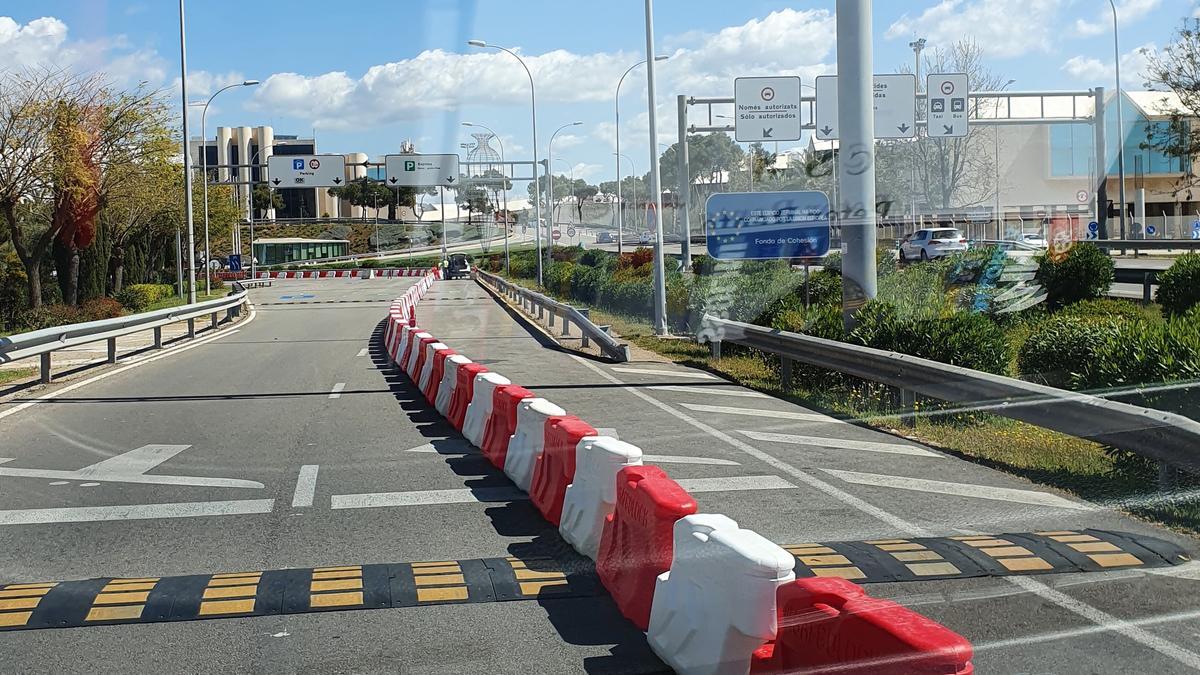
[421, 170]
[306, 171]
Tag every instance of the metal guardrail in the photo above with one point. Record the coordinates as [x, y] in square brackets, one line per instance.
[531, 300]
[1173, 440]
[1147, 244]
[254, 283]
[48, 340]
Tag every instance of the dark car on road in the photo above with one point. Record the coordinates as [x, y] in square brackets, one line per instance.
[458, 266]
[605, 238]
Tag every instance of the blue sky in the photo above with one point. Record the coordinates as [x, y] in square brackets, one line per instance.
[367, 78]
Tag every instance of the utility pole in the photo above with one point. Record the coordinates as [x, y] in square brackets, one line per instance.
[660, 278]
[857, 170]
[917, 46]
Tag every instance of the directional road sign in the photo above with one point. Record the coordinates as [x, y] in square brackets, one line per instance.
[1196, 230]
[306, 171]
[895, 106]
[1151, 230]
[421, 170]
[768, 109]
[235, 263]
[570, 232]
[759, 225]
[1093, 230]
[948, 97]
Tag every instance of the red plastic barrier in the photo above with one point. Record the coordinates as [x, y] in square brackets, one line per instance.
[436, 372]
[503, 422]
[464, 389]
[408, 345]
[829, 625]
[554, 470]
[420, 363]
[636, 545]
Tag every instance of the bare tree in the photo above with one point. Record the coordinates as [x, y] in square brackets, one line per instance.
[1177, 68]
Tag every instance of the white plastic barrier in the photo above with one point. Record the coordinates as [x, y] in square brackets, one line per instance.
[716, 605]
[413, 354]
[406, 333]
[393, 342]
[431, 350]
[480, 408]
[449, 383]
[527, 441]
[592, 494]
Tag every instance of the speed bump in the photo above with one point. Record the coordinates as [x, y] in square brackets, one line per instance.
[241, 593]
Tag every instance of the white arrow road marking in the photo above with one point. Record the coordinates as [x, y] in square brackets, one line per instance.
[337, 390]
[710, 391]
[306, 486]
[1031, 497]
[129, 467]
[89, 514]
[841, 443]
[667, 373]
[512, 494]
[362, 352]
[454, 445]
[756, 412]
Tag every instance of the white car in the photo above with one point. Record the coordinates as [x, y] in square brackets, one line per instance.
[1033, 239]
[932, 242]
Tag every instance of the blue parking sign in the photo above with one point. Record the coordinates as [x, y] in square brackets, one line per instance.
[762, 225]
[297, 165]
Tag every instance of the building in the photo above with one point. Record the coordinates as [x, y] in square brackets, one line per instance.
[295, 249]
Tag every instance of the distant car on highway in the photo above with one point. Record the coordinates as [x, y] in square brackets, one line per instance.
[644, 238]
[605, 238]
[458, 267]
[932, 242]
[1034, 239]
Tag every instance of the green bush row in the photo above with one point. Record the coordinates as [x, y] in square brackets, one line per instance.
[49, 316]
[137, 297]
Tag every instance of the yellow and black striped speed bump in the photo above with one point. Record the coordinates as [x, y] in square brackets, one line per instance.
[93, 602]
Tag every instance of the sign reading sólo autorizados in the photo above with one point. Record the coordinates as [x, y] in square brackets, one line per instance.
[766, 109]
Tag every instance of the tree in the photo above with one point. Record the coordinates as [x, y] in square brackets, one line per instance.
[956, 172]
[141, 192]
[1177, 68]
[367, 193]
[263, 198]
[471, 194]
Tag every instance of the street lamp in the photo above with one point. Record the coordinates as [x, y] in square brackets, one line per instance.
[550, 188]
[617, 127]
[1120, 117]
[204, 170]
[537, 191]
[633, 174]
[187, 160]
[503, 184]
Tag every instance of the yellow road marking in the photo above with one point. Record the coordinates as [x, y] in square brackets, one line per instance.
[343, 568]
[230, 592]
[114, 613]
[815, 560]
[336, 585]
[436, 564]
[535, 587]
[1007, 551]
[143, 586]
[336, 599]
[913, 556]
[47, 585]
[20, 603]
[14, 619]
[226, 607]
[851, 572]
[24, 592]
[1025, 564]
[233, 581]
[121, 598]
[534, 574]
[901, 547]
[984, 543]
[344, 574]
[1115, 559]
[1073, 537]
[439, 580]
[437, 570]
[441, 594]
[933, 568]
[809, 550]
[237, 575]
[1095, 547]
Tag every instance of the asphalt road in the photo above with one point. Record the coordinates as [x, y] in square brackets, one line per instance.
[305, 384]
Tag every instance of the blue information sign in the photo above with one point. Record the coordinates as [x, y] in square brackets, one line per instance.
[1196, 230]
[1151, 230]
[235, 263]
[760, 225]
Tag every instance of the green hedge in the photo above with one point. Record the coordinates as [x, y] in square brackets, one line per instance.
[1179, 285]
[138, 297]
[1062, 346]
[1086, 272]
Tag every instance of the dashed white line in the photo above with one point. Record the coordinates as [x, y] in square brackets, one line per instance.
[840, 443]
[306, 486]
[710, 391]
[734, 483]
[1031, 497]
[337, 390]
[684, 459]
[667, 373]
[89, 514]
[758, 412]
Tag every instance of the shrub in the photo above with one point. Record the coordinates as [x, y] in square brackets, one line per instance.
[1085, 272]
[1142, 352]
[100, 308]
[1106, 308]
[137, 297]
[626, 297]
[585, 282]
[878, 324]
[557, 279]
[833, 262]
[595, 257]
[1179, 285]
[47, 316]
[639, 257]
[1061, 347]
[959, 339]
[703, 265]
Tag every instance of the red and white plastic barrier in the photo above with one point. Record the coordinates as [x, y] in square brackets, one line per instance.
[359, 273]
[502, 423]
[528, 440]
[427, 365]
[449, 383]
[592, 494]
[479, 412]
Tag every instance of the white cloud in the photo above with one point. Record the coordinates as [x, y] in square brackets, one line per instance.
[1128, 11]
[46, 43]
[1093, 71]
[565, 141]
[202, 84]
[1005, 28]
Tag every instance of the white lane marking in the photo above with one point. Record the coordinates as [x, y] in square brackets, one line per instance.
[1031, 497]
[710, 391]
[1142, 637]
[452, 445]
[756, 412]
[91, 514]
[611, 432]
[337, 390]
[684, 459]
[840, 443]
[128, 467]
[134, 363]
[667, 373]
[306, 486]
[428, 497]
[362, 352]
[734, 484]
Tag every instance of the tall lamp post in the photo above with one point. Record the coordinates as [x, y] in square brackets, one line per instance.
[187, 161]
[204, 170]
[633, 174]
[617, 127]
[996, 151]
[537, 191]
[550, 188]
[1120, 117]
[503, 185]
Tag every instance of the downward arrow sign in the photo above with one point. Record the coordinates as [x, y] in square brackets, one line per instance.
[337, 181]
[767, 132]
[826, 130]
[449, 179]
[903, 128]
[276, 181]
[949, 129]
[392, 180]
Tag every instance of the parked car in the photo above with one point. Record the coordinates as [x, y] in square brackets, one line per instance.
[930, 242]
[644, 238]
[458, 267]
[605, 238]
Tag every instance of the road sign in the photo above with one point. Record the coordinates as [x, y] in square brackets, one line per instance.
[759, 225]
[421, 170]
[767, 109]
[306, 171]
[895, 106]
[1083, 196]
[1151, 230]
[1093, 230]
[1196, 230]
[235, 263]
[556, 235]
[571, 232]
[948, 95]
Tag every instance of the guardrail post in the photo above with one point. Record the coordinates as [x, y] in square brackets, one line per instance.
[551, 319]
[112, 350]
[1168, 476]
[566, 325]
[714, 347]
[1146, 289]
[541, 312]
[45, 368]
[908, 405]
[191, 328]
[785, 372]
[213, 321]
[587, 315]
[158, 337]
